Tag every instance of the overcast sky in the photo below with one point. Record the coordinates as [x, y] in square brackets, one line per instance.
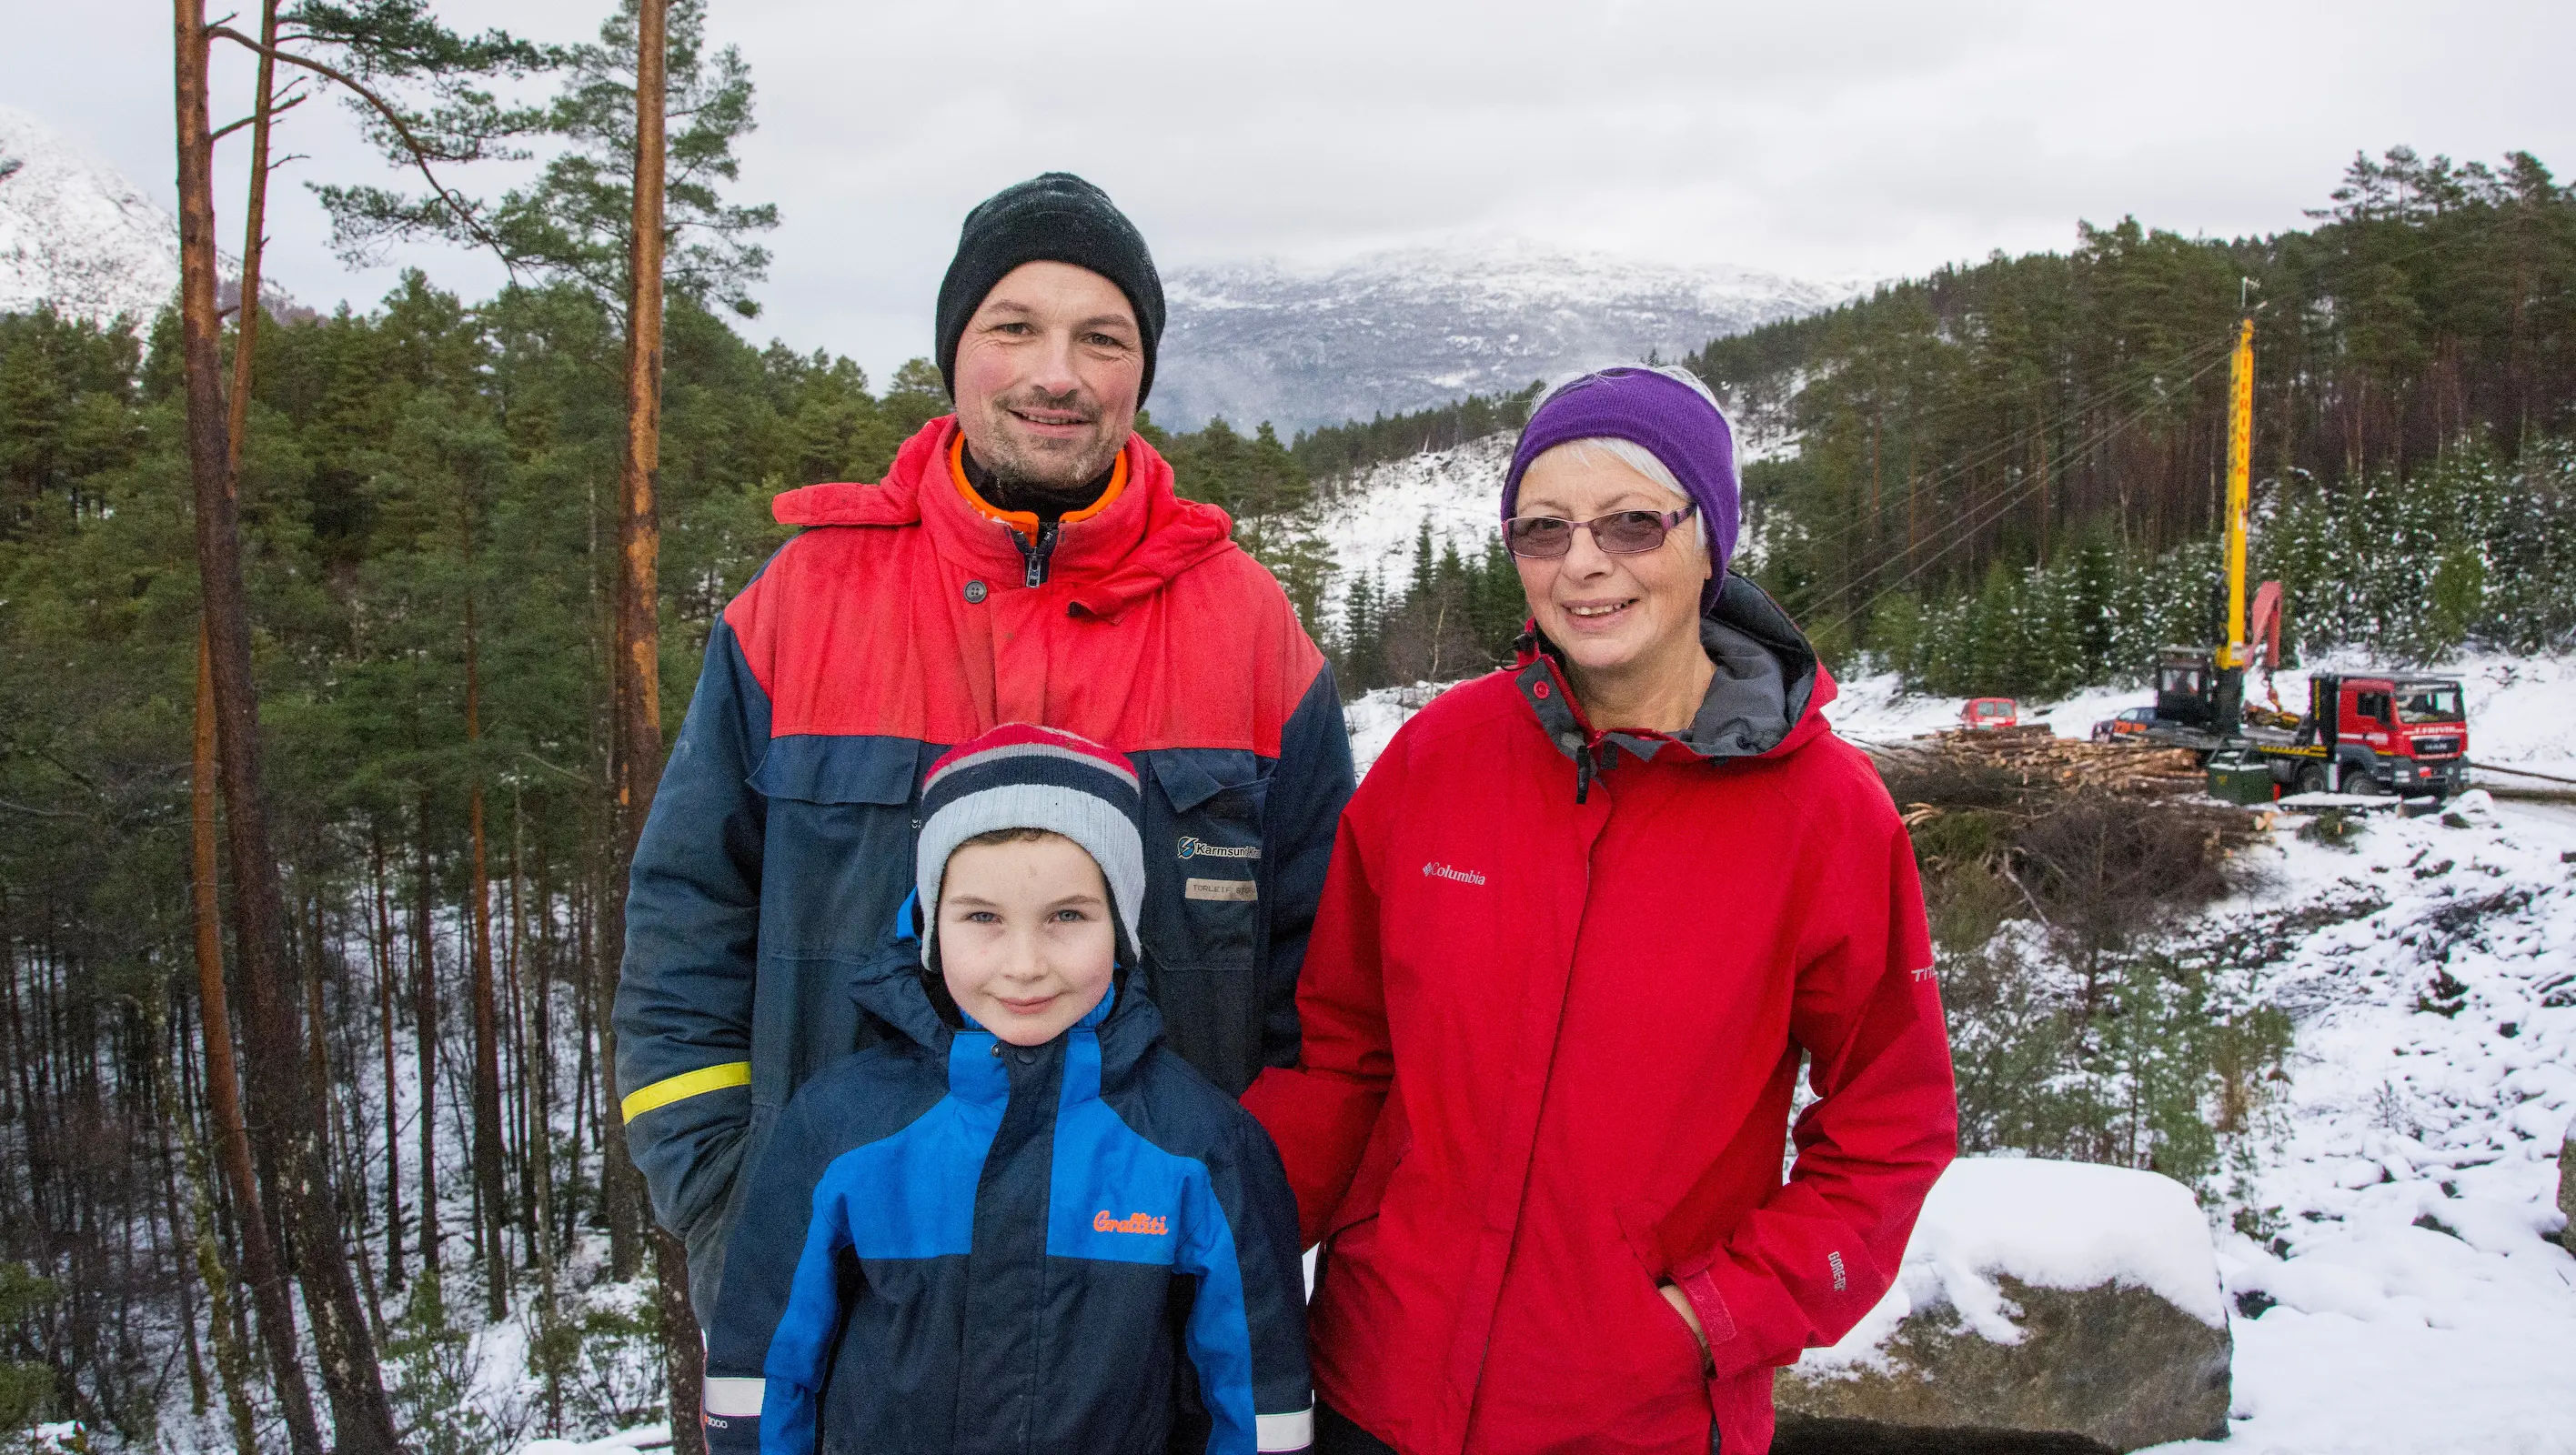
[1817, 140]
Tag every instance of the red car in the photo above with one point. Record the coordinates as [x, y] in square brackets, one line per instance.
[2132, 723]
[1991, 712]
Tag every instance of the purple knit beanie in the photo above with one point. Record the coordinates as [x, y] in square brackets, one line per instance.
[1673, 421]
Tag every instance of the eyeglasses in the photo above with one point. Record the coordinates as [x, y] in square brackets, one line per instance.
[1621, 532]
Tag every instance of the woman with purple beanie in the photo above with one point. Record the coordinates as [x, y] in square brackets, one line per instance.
[1584, 919]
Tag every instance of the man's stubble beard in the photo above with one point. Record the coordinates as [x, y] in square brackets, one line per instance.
[1022, 471]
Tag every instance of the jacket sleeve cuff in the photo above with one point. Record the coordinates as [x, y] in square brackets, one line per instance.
[1716, 1321]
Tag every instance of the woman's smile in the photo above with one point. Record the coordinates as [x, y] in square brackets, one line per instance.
[1598, 612]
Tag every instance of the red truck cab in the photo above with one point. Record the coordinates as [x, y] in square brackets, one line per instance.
[2407, 735]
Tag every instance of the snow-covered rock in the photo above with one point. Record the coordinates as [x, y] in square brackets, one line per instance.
[76, 233]
[2039, 1296]
[1414, 328]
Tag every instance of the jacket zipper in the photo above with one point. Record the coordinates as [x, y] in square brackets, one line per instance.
[1034, 554]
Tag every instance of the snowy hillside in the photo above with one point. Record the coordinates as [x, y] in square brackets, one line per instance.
[2401, 1291]
[1371, 522]
[1404, 330]
[74, 231]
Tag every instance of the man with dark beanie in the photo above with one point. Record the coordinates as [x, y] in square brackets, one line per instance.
[1033, 444]
[1025, 559]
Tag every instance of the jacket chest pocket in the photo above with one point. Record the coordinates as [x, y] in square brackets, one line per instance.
[836, 859]
[1206, 912]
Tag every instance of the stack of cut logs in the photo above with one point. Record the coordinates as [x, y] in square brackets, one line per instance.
[2036, 754]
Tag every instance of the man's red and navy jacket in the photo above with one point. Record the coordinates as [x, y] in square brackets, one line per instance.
[905, 620]
[954, 1244]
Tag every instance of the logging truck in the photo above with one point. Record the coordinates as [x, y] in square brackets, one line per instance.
[2364, 733]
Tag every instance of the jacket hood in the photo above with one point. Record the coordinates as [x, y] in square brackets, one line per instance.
[893, 987]
[1105, 564]
[1766, 699]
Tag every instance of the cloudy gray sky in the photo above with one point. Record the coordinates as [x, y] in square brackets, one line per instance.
[1818, 140]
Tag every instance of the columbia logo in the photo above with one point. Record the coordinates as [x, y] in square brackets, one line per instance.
[1202, 849]
[1104, 1221]
[1443, 871]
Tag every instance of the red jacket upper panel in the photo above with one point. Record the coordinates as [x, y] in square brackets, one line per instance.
[904, 621]
[1553, 1009]
[1120, 643]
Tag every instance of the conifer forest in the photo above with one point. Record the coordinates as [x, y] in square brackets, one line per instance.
[331, 690]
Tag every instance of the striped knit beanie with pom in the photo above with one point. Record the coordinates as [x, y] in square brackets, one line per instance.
[1023, 777]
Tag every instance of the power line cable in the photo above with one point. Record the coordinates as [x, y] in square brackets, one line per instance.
[2015, 439]
[1964, 527]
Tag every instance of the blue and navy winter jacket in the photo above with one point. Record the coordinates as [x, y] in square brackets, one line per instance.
[899, 624]
[953, 1244]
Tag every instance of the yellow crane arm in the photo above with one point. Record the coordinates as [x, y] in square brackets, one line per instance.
[2240, 466]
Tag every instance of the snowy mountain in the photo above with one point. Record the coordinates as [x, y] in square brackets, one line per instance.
[75, 232]
[1402, 330]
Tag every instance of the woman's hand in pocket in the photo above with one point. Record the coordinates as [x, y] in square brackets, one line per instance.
[1682, 1305]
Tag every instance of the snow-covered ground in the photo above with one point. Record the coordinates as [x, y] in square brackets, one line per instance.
[2393, 1283]
[2403, 1295]
[2409, 1300]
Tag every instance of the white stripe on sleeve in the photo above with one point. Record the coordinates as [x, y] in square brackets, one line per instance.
[1285, 1432]
[733, 1398]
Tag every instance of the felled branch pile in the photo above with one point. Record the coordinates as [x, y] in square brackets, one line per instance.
[2035, 756]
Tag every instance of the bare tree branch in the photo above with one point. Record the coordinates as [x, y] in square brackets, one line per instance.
[394, 118]
[229, 127]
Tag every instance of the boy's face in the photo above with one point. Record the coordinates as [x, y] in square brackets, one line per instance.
[1025, 937]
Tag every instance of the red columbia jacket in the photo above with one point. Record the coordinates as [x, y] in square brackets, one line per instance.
[1554, 1006]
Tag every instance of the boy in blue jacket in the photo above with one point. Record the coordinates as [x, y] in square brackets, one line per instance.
[1019, 1224]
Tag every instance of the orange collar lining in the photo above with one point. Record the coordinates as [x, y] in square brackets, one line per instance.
[1025, 521]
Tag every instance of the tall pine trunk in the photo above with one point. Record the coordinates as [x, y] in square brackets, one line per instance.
[384, 939]
[493, 1229]
[639, 639]
[283, 1107]
[260, 1265]
[424, 1014]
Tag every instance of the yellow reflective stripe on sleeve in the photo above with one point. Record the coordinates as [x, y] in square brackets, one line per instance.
[684, 1086]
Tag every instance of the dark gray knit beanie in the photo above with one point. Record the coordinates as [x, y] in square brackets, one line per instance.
[1055, 218]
